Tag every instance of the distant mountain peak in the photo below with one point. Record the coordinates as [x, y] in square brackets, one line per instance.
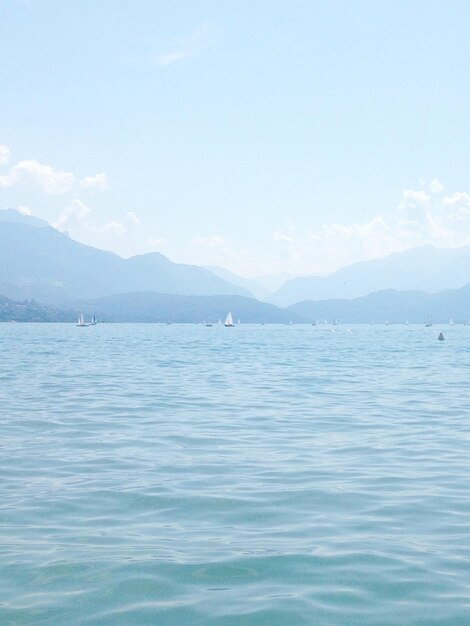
[426, 268]
[39, 261]
[14, 216]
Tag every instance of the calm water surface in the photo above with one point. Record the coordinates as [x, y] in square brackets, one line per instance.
[258, 476]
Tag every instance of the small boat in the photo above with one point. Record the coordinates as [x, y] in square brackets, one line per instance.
[94, 320]
[428, 324]
[451, 321]
[441, 337]
[229, 321]
[81, 321]
[238, 322]
[335, 322]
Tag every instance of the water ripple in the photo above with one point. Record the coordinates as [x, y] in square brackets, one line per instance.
[265, 476]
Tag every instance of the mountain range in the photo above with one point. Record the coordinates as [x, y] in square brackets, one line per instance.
[250, 284]
[30, 311]
[391, 306]
[382, 306]
[37, 261]
[425, 268]
[159, 307]
[149, 307]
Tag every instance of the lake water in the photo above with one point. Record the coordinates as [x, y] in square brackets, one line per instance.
[253, 476]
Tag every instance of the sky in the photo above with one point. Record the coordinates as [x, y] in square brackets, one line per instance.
[264, 136]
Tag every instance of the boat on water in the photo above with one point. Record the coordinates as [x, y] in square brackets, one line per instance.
[81, 321]
[229, 321]
[94, 320]
[451, 321]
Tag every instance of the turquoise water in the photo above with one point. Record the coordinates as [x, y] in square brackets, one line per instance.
[261, 475]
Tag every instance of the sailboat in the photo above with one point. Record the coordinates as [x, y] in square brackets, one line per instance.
[81, 321]
[229, 321]
[94, 320]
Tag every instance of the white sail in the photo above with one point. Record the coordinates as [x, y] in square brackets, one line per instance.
[229, 320]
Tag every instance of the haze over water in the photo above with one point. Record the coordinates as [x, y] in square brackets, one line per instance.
[255, 476]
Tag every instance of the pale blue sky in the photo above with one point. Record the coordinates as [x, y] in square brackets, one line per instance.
[265, 136]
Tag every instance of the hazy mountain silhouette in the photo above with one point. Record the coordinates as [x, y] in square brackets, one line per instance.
[254, 287]
[392, 306]
[31, 311]
[426, 268]
[160, 307]
[12, 216]
[37, 261]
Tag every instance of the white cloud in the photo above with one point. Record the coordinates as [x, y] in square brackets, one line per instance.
[215, 250]
[282, 237]
[420, 219]
[413, 198]
[4, 154]
[173, 57]
[98, 181]
[212, 241]
[436, 186]
[133, 219]
[117, 228]
[49, 180]
[185, 48]
[24, 210]
[458, 198]
[77, 212]
[155, 242]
